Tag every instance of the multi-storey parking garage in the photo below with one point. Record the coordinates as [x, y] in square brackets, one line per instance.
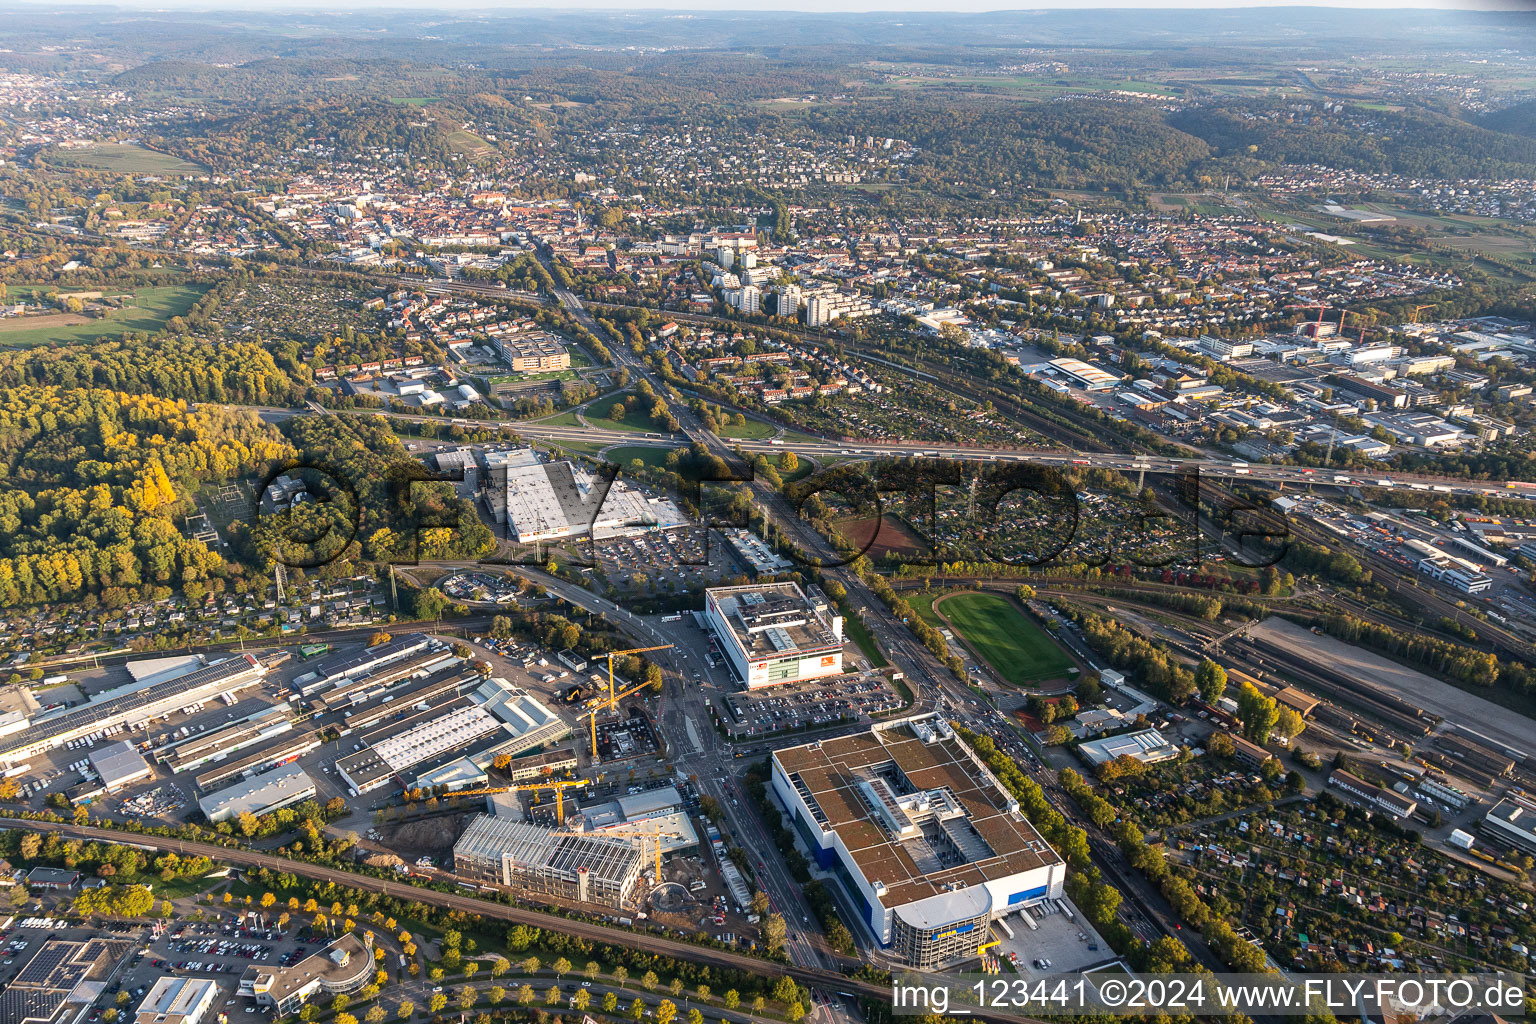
[586, 868]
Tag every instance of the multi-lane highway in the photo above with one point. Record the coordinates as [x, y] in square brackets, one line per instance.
[700, 751]
[1228, 470]
[1214, 467]
[707, 760]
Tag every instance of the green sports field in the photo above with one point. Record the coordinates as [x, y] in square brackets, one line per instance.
[996, 629]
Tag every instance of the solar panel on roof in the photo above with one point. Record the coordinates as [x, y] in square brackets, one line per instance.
[43, 964]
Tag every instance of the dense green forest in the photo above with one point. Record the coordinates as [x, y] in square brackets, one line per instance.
[992, 142]
[96, 484]
[369, 507]
[1519, 119]
[1418, 143]
[171, 366]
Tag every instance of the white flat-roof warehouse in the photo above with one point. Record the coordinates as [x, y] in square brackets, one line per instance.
[119, 765]
[1147, 746]
[1513, 820]
[1085, 375]
[177, 1001]
[548, 500]
[261, 794]
[452, 741]
[134, 705]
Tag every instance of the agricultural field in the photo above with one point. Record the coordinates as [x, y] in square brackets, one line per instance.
[467, 143]
[888, 533]
[123, 158]
[1002, 635]
[152, 308]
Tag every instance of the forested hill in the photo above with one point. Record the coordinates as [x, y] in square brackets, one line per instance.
[1418, 143]
[974, 132]
[992, 143]
[1519, 119]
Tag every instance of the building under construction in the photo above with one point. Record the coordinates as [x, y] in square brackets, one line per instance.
[548, 862]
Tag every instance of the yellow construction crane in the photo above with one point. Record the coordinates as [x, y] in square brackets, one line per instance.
[558, 785]
[612, 699]
[592, 715]
[656, 835]
[1419, 309]
[642, 837]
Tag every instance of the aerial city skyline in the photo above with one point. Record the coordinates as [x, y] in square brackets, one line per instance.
[738, 514]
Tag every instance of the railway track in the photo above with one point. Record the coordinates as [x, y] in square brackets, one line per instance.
[1081, 435]
[816, 977]
[1389, 575]
[1390, 710]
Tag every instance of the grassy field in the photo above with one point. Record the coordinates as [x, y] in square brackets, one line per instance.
[125, 158]
[625, 454]
[804, 469]
[752, 430]
[861, 636]
[154, 307]
[922, 604]
[561, 419]
[999, 632]
[414, 101]
[636, 421]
